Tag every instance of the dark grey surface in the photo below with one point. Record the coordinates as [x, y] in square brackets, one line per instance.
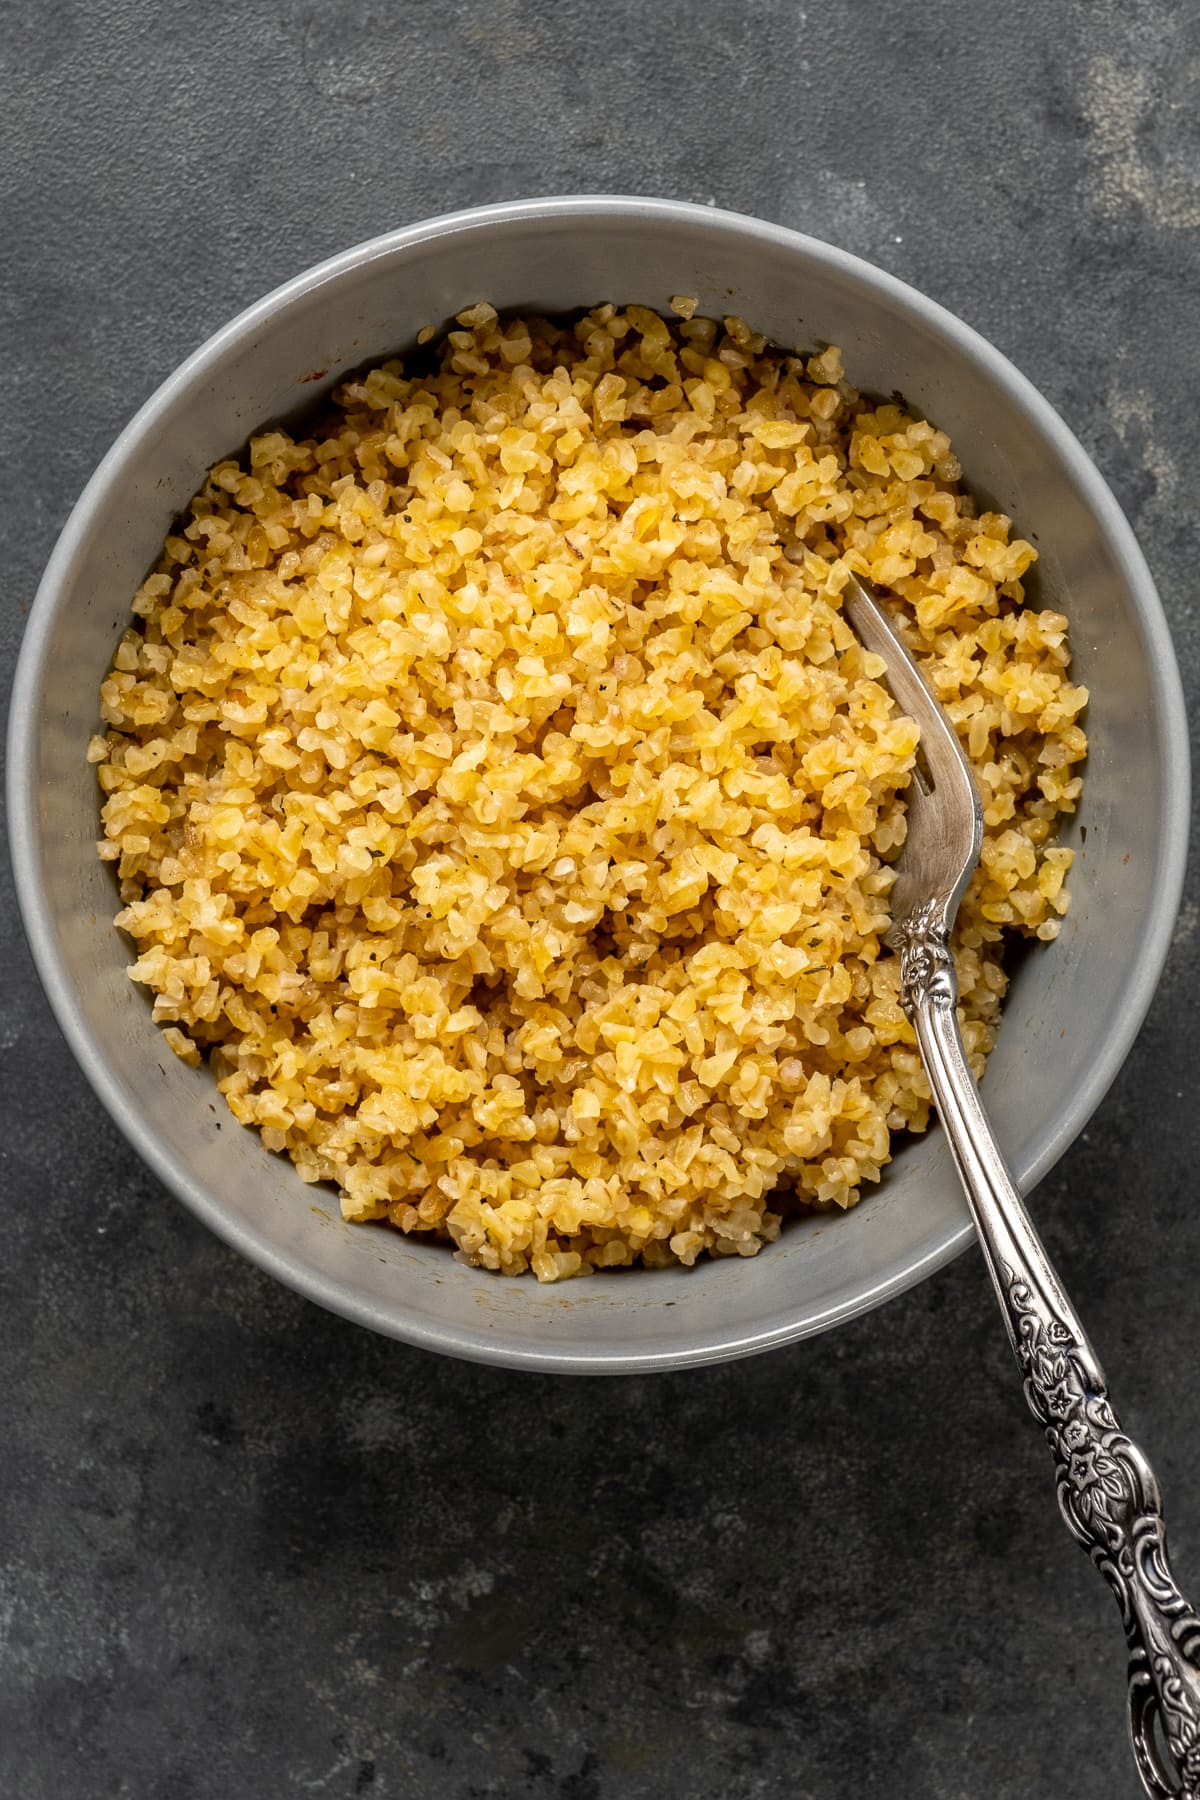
[246, 1550]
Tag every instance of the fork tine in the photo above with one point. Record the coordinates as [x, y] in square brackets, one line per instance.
[945, 824]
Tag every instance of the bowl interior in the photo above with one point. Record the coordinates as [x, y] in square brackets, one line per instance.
[1074, 1006]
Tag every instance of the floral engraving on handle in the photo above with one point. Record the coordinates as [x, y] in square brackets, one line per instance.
[1110, 1500]
[927, 971]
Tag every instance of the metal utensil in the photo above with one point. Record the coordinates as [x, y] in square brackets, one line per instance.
[1106, 1488]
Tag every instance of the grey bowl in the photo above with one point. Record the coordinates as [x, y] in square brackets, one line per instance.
[1074, 1008]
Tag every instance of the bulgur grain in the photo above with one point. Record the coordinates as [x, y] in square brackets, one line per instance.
[501, 799]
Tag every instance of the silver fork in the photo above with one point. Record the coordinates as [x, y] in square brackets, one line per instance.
[1106, 1488]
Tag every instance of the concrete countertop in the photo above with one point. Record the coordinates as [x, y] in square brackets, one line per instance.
[248, 1550]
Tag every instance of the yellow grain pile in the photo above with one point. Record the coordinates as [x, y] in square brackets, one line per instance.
[500, 797]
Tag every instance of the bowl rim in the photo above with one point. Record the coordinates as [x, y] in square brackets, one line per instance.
[1168, 715]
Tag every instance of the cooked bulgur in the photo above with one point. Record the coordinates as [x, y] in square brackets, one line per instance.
[500, 798]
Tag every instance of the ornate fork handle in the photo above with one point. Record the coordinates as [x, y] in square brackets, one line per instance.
[1106, 1488]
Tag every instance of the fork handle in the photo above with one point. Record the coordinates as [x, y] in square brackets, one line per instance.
[1106, 1488]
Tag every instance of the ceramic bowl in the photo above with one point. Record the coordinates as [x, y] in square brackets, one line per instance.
[1075, 1006]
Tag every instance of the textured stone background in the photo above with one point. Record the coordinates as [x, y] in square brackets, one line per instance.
[246, 1549]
